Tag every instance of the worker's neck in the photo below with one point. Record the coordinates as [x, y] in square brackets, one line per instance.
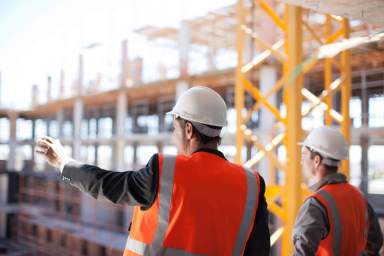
[196, 146]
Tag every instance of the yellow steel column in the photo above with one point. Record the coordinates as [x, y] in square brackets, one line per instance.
[328, 73]
[293, 101]
[239, 88]
[346, 93]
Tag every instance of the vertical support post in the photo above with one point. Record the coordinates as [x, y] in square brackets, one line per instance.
[77, 118]
[183, 48]
[364, 100]
[33, 138]
[49, 88]
[96, 144]
[268, 78]
[121, 114]
[62, 84]
[328, 73]
[135, 145]
[346, 94]
[60, 122]
[364, 142]
[239, 88]
[124, 77]
[12, 117]
[293, 93]
[80, 78]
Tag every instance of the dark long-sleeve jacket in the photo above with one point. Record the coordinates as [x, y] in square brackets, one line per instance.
[139, 188]
[312, 224]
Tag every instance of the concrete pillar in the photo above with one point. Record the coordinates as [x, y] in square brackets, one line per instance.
[125, 79]
[47, 127]
[181, 87]
[87, 211]
[62, 84]
[121, 114]
[184, 41]
[137, 71]
[35, 95]
[12, 117]
[268, 78]
[364, 143]
[77, 117]
[211, 55]
[364, 100]
[162, 70]
[49, 88]
[33, 138]
[134, 160]
[97, 145]
[80, 77]
[60, 122]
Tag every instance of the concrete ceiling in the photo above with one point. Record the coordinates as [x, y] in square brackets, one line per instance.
[369, 11]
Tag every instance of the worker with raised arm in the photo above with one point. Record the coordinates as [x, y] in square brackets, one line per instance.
[194, 203]
[336, 219]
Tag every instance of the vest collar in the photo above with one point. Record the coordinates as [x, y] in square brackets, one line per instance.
[334, 178]
[212, 151]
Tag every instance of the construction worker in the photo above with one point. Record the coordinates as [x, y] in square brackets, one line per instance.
[336, 219]
[195, 203]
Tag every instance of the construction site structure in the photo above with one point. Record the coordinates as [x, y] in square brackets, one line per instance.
[276, 89]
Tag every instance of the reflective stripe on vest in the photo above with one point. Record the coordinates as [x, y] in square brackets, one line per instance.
[252, 196]
[145, 249]
[166, 187]
[336, 220]
[336, 226]
[165, 197]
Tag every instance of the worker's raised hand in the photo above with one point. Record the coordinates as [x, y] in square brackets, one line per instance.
[52, 150]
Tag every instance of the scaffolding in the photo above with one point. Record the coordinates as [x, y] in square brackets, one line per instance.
[286, 55]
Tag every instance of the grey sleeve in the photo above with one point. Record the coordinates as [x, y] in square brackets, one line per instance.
[311, 227]
[375, 236]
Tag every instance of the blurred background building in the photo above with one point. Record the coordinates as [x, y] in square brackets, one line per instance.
[101, 75]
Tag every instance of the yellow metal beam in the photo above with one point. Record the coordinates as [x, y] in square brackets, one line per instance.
[275, 18]
[279, 84]
[316, 101]
[239, 89]
[280, 56]
[258, 96]
[294, 37]
[328, 74]
[262, 57]
[346, 93]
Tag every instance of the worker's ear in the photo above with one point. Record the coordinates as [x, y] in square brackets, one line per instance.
[317, 161]
[188, 129]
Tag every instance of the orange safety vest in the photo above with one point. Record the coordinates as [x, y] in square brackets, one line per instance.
[205, 205]
[348, 220]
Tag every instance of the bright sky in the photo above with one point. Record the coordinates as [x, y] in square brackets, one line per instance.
[39, 37]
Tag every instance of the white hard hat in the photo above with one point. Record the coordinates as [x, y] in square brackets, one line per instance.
[329, 143]
[202, 106]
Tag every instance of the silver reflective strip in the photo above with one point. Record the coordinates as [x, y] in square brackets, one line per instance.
[336, 220]
[135, 246]
[140, 248]
[166, 188]
[251, 198]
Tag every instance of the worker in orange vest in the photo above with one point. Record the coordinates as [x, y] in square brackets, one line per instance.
[336, 219]
[194, 203]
